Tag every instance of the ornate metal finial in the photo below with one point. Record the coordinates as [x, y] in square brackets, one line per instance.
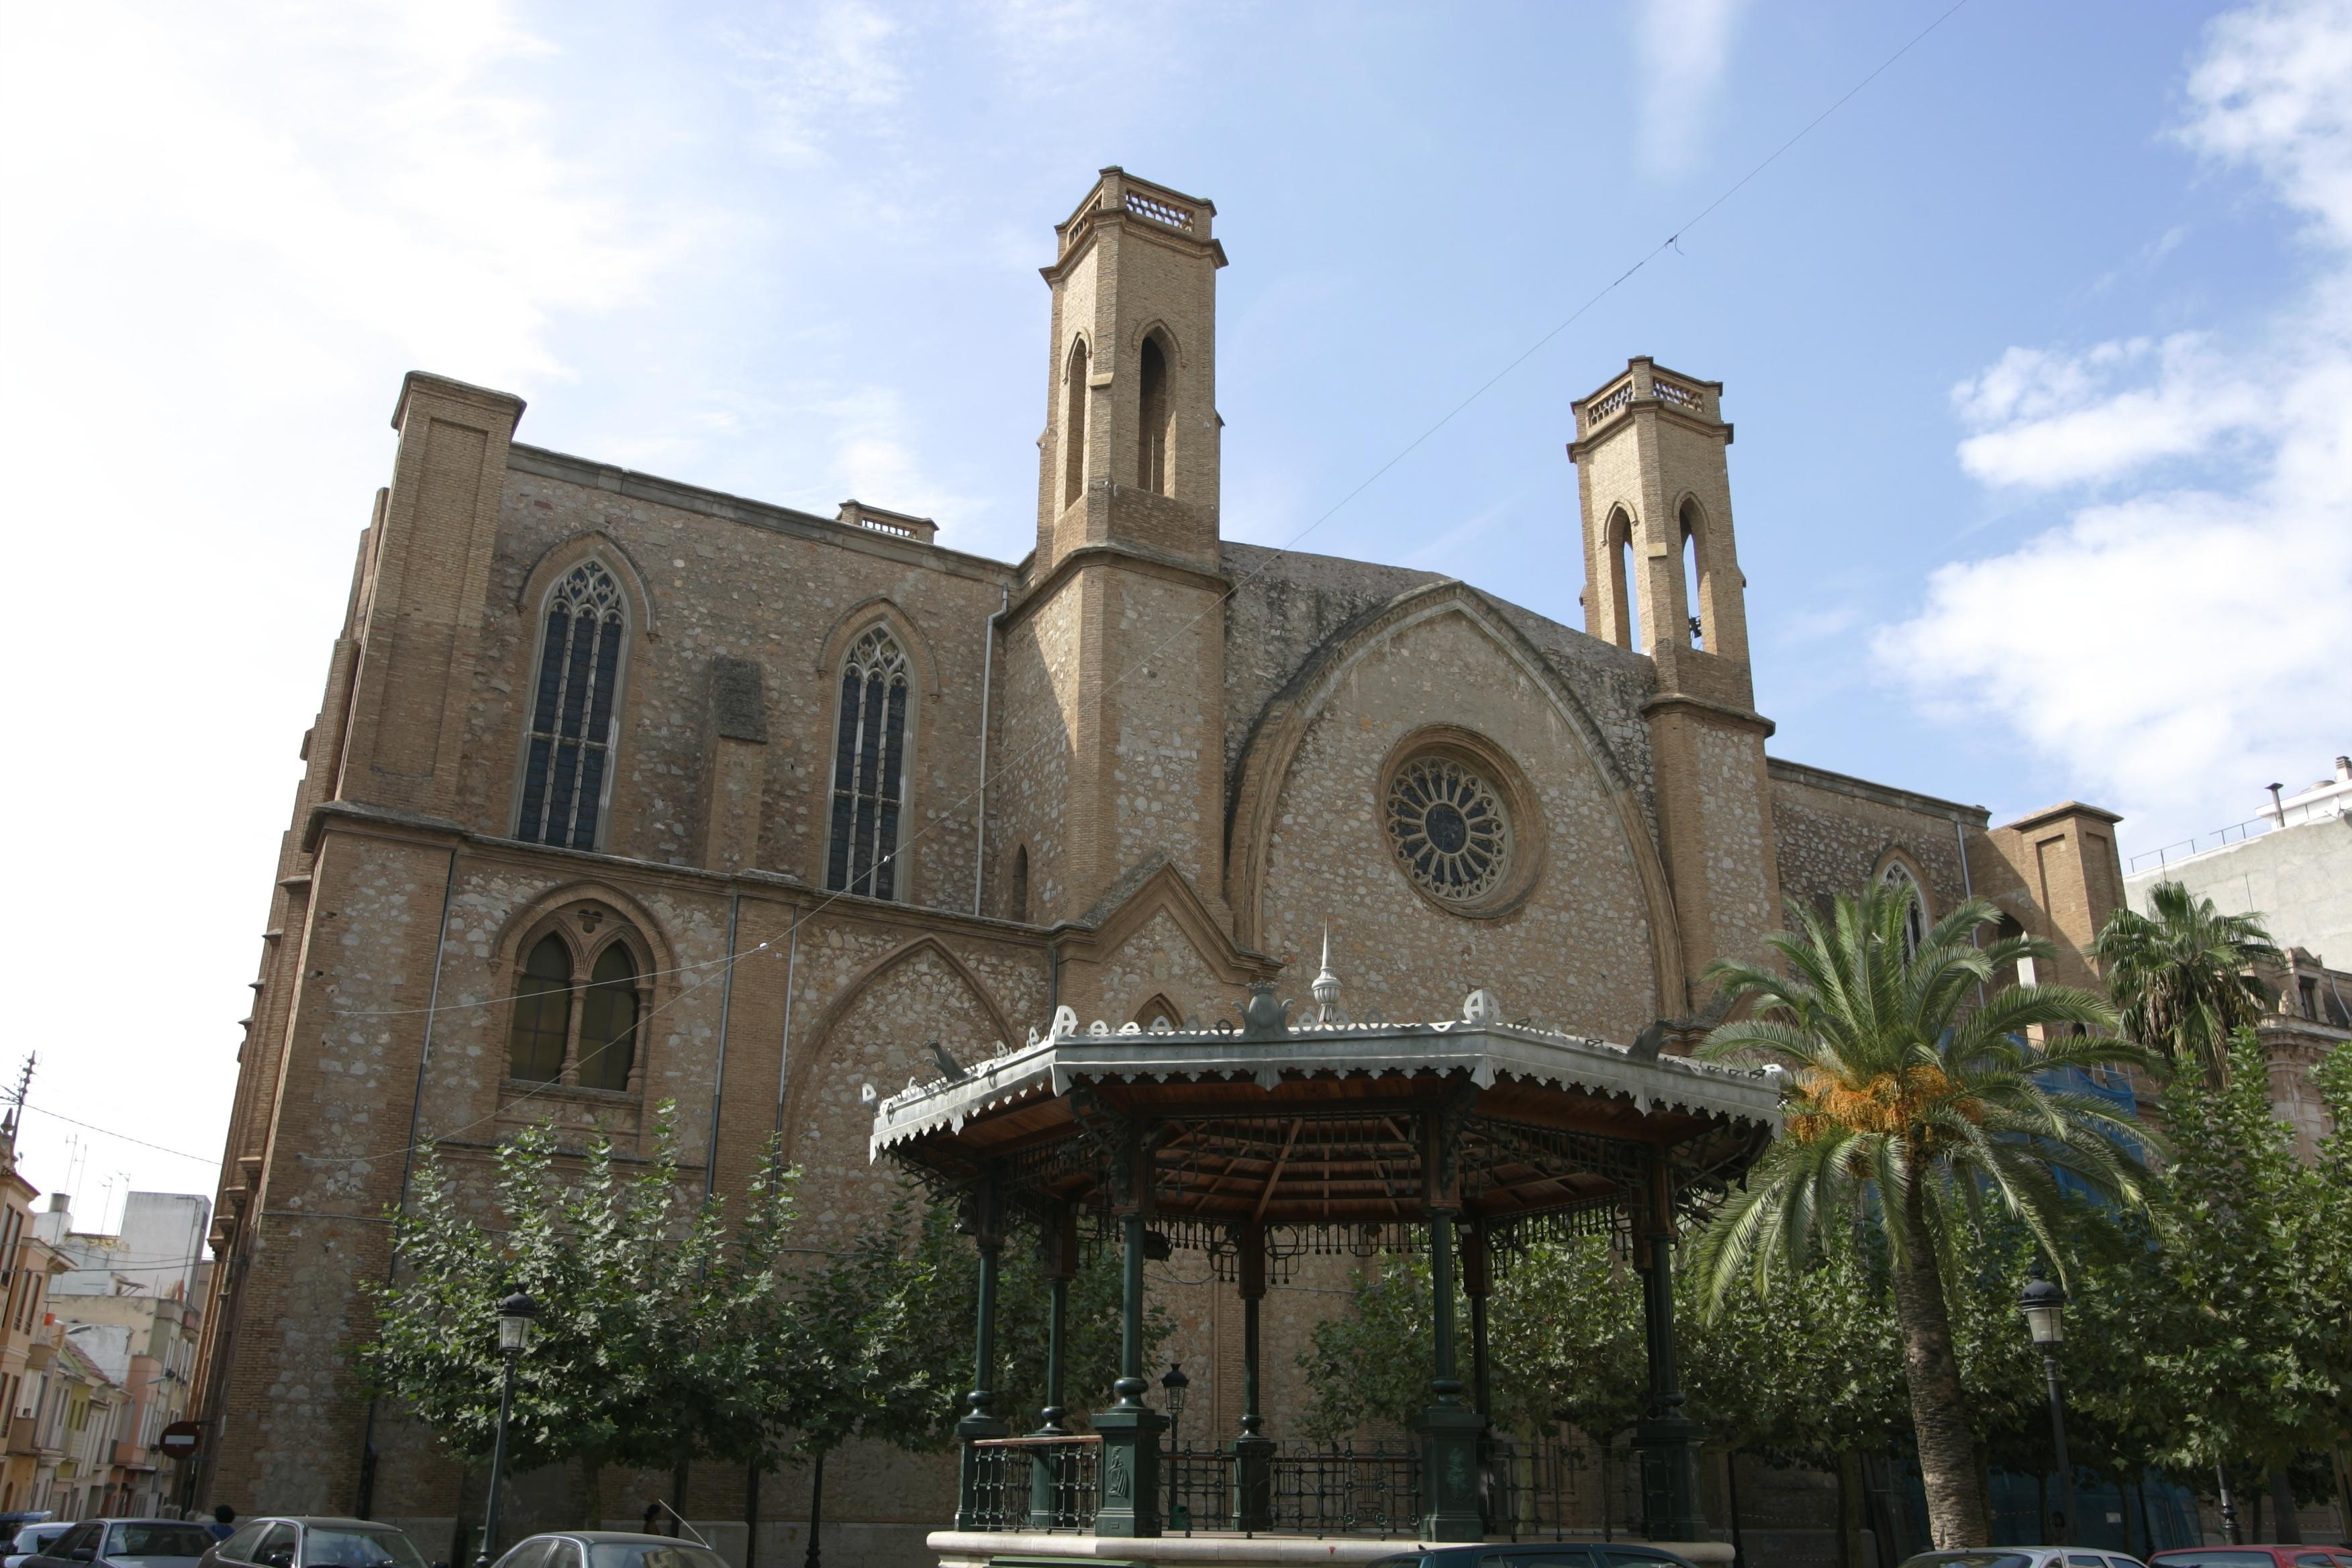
[1264, 1018]
[1326, 988]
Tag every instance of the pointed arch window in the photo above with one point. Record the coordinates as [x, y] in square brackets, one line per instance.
[1623, 568]
[1694, 569]
[1898, 880]
[869, 769]
[567, 762]
[608, 1021]
[542, 1014]
[1073, 425]
[1157, 423]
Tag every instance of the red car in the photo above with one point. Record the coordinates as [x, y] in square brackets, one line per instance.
[2252, 1557]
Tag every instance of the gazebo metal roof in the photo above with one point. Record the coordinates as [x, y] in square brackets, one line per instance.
[1333, 1124]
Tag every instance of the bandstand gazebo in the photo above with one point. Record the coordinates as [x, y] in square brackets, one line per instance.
[1261, 1142]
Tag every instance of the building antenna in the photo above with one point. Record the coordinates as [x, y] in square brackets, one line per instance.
[15, 1102]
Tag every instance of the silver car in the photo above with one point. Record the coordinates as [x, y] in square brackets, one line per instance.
[303, 1540]
[607, 1549]
[125, 1544]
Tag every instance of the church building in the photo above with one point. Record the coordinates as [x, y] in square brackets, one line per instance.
[624, 792]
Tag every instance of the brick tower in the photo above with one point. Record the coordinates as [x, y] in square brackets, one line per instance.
[1115, 652]
[1663, 578]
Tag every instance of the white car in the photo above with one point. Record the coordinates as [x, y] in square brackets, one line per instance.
[34, 1538]
[2025, 1557]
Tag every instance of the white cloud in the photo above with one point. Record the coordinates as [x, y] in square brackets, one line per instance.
[229, 235]
[2179, 640]
[1683, 51]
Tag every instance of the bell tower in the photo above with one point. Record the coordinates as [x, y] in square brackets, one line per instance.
[1661, 578]
[1115, 649]
[1129, 453]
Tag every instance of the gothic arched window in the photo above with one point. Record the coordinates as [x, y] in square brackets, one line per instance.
[1021, 882]
[569, 758]
[1157, 421]
[542, 1014]
[1694, 573]
[1073, 425]
[1898, 880]
[608, 1020]
[1624, 587]
[869, 768]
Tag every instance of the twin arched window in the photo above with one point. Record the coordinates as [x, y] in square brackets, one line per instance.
[869, 768]
[567, 761]
[564, 1032]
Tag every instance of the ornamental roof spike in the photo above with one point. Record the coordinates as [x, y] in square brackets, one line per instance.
[1326, 988]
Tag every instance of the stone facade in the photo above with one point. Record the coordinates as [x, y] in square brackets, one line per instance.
[1192, 749]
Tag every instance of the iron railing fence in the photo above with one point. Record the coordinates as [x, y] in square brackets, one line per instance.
[1551, 1487]
[1036, 1483]
[1196, 1489]
[1346, 1489]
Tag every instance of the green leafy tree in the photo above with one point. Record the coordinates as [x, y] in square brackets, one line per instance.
[1808, 1374]
[1906, 1090]
[634, 1353]
[2242, 1333]
[2183, 974]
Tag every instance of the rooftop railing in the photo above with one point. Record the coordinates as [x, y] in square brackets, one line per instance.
[2238, 833]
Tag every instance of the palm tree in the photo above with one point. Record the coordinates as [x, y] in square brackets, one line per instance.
[1913, 1094]
[2182, 975]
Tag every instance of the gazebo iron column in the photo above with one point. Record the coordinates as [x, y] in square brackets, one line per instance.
[975, 1503]
[1448, 1428]
[1058, 1251]
[1130, 1429]
[1668, 1439]
[1252, 1450]
[1496, 1474]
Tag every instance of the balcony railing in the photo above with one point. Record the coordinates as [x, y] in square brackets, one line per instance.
[1037, 1483]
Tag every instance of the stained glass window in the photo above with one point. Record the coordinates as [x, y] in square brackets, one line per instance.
[608, 1021]
[571, 722]
[542, 1014]
[869, 765]
[1449, 828]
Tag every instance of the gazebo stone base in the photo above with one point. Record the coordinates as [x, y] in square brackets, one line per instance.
[1038, 1549]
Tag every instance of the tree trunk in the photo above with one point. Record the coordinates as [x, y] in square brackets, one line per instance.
[816, 1507]
[1957, 1514]
[1850, 1516]
[751, 1513]
[588, 1492]
[2288, 1532]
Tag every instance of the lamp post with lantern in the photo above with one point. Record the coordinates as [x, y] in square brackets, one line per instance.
[1172, 1385]
[515, 1315]
[2044, 1302]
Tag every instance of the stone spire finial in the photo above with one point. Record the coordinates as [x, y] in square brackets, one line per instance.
[1326, 988]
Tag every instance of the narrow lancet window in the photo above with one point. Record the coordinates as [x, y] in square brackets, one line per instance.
[1694, 575]
[571, 721]
[869, 766]
[1157, 421]
[608, 1021]
[542, 1014]
[1900, 883]
[1073, 427]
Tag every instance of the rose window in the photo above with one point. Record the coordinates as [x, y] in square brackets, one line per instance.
[1449, 828]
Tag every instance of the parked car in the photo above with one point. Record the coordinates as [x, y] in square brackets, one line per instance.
[33, 1538]
[2025, 1557]
[2252, 1557]
[607, 1549]
[305, 1541]
[1540, 1554]
[125, 1544]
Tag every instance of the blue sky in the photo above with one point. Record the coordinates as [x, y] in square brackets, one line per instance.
[2040, 352]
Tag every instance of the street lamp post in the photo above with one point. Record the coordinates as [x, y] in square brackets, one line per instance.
[2044, 1302]
[1172, 1384]
[515, 1315]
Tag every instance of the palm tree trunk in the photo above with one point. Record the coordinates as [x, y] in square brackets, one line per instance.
[1956, 1513]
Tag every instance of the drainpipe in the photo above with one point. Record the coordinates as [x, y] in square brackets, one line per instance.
[719, 1079]
[785, 1040]
[987, 674]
